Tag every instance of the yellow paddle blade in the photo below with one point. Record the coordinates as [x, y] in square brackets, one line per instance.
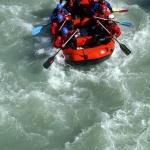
[115, 9]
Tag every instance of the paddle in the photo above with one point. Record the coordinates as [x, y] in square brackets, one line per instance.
[58, 30]
[50, 60]
[122, 46]
[121, 11]
[127, 24]
[38, 29]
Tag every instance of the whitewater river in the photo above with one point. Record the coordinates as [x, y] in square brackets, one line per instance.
[99, 107]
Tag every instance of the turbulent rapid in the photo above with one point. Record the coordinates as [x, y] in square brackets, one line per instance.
[99, 107]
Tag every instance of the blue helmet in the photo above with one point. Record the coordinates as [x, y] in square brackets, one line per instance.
[64, 30]
[59, 6]
[59, 17]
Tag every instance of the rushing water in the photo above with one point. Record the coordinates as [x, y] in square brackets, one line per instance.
[99, 107]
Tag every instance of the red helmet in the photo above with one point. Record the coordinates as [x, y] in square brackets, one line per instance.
[102, 7]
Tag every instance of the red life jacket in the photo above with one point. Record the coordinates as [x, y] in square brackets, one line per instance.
[70, 3]
[101, 15]
[113, 29]
[61, 39]
[55, 26]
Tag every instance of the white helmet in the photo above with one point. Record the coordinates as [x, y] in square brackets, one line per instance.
[111, 17]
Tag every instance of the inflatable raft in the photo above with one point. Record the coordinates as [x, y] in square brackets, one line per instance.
[86, 54]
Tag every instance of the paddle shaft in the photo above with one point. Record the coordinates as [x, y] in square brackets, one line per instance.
[121, 11]
[65, 43]
[127, 24]
[62, 25]
[109, 32]
[122, 46]
[58, 30]
[46, 25]
[50, 22]
[50, 60]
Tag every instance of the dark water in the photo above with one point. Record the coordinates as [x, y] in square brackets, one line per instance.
[100, 107]
[144, 4]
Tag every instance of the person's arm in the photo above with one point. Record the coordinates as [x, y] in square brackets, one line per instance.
[94, 8]
[54, 14]
[70, 3]
[65, 11]
[70, 32]
[58, 42]
[107, 14]
[117, 31]
[53, 28]
[93, 17]
[109, 6]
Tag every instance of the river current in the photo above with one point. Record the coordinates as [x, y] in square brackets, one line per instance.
[98, 107]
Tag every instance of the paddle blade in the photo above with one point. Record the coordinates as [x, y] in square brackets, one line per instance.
[48, 62]
[115, 9]
[36, 30]
[127, 24]
[120, 11]
[124, 10]
[124, 49]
